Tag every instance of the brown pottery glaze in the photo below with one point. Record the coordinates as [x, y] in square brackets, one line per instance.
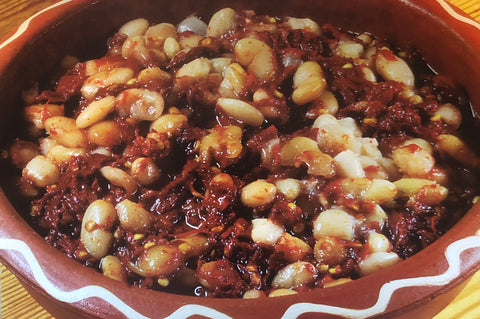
[448, 40]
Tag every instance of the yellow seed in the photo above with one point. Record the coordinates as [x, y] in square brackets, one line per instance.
[184, 247]
[138, 236]
[369, 120]
[278, 94]
[292, 206]
[347, 66]
[131, 81]
[436, 117]
[402, 54]
[82, 254]
[164, 282]
[149, 245]
[272, 20]
[475, 199]
[323, 268]
[217, 229]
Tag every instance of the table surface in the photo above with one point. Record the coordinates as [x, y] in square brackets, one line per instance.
[16, 303]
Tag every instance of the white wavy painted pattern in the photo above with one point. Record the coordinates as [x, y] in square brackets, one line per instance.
[24, 26]
[452, 253]
[94, 291]
[458, 16]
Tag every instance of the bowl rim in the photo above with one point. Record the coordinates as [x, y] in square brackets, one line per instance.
[16, 239]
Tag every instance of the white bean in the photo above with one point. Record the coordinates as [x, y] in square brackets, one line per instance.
[38, 113]
[377, 261]
[258, 193]
[197, 68]
[334, 222]
[294, 275]
[159, 260]
[308, 82]
[378, 242]
[65, 132]
[221, 22]
[41, 171]
[134, 27]
[304, 24]
[145, 171]
[95, 112]
[257, 56]
[140, 104]
[391, 67]
[289, 187]
[113, 268]
[96, 228]
[119, 178]
[241, 111]
[348, 164]
[133, 217]
[265, 231]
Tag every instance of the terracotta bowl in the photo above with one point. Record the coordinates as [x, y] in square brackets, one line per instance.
[448, 40]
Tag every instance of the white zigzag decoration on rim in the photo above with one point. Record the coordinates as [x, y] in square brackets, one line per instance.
[452, 254]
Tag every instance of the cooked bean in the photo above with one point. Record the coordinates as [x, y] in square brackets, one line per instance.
[169, 123]
[450, 114]
[458, 150]
[197, 68]
[133, 216]
[253, 294]
[157, 34]
[218, 274]
[140, 104]
[391, 67]
[113, 268]
[120, 178]
[224, 142]
[378, 242]
[292, 248]
[293, 275]
[96, 228]
[308, 82]
[241, 111]
[377, 261]
[65, 132]
[233, 82]
[135, 48]
[105, 133]
[282, 292]
[329, 101]
[257, 56]
[60, 154]
[171, 47]
[38, 113]
[145, 171]
[348, 165]
[105, 78]
[304, 24]
[134, 27]
[305, 150]
[377, 215]
[258, 193]
[330, 250]
[193, 24]
[221, 22]
[423, 190]
[413, 160]
[22, 152]
[95, 112]
[334, 222]
[335, 135]
[375, 190]
[192, 245]
[289, 187]
[188, 40]
[265, 231]
[159, 260]
[349, 49]
[41, 171]
[153, 74]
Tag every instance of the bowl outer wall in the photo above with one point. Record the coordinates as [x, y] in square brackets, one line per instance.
[450, 45]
